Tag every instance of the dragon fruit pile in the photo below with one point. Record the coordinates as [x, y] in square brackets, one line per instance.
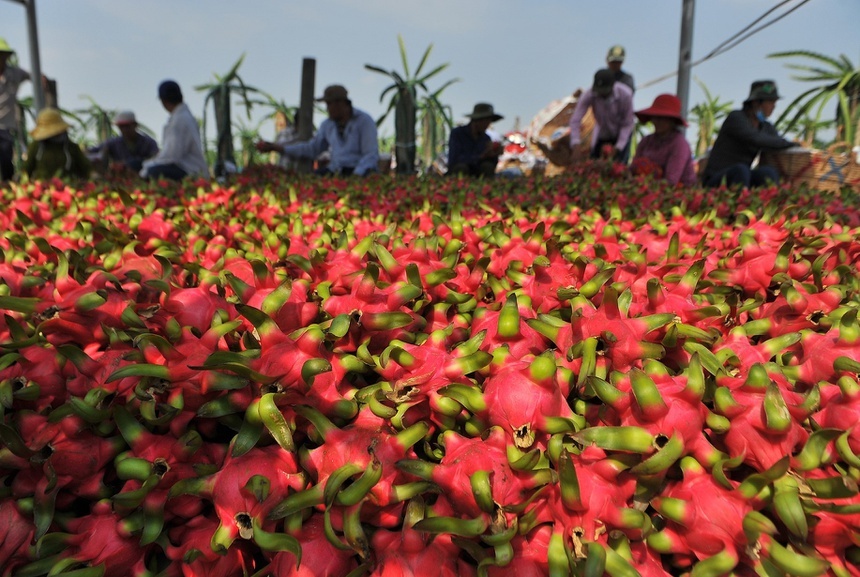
[387, 377]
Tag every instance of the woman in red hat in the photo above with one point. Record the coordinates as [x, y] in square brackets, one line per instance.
[665, 152]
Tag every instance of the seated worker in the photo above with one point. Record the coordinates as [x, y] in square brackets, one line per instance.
[471, 150]
[130, 148]
[182, 149]
[288, 133]
[611, 103]
[52, 153]
[666, 150]
[744, 134]
[348, 134]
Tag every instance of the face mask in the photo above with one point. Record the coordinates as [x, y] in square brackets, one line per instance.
[761, 117]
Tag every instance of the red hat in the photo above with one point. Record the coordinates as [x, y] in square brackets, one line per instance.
[665, 106]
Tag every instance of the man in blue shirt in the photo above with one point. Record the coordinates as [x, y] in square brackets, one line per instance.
[471, 151]
[130, 148]
[349, 134]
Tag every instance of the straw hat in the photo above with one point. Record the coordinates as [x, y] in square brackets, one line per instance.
[49, 122]
[665, 106]
[4, 47]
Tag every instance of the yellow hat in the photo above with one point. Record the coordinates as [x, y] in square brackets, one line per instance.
[4, 46]
[49, 122]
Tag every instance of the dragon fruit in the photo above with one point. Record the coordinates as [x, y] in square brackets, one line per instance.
[704, 521]
[477, 479]
[367, 447]
[411, 552]
[244, 491]
[191, 555]
[524, 398]
[764, 417]
[15, 538]
[319, 556]
[661, 404]
[103, 539]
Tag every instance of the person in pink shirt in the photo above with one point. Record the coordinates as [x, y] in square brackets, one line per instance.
[611, 103]
[666, 152]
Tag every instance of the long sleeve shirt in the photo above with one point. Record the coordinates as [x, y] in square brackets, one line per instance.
[181, 144]
[672, 154]
[56, 157]
[463, 148]
[118, 149]
[613, 116]
[739, 142]
[354, 145]
[10, 79]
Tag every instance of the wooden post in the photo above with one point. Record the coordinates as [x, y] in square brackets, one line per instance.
[306, 109]
[50, 93]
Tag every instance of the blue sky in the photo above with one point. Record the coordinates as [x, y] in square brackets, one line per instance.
[516, 54]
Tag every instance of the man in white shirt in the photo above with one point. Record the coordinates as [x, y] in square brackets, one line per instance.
[181, 152]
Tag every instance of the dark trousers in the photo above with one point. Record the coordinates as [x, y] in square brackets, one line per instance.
[743, 175]
[486, 167]
[169, 171]
[7, 151]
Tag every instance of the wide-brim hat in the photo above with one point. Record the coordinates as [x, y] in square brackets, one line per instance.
[4, 47]
[763, 90]
[333, 93]
[484, 110]
[664, 106]
[49, 122]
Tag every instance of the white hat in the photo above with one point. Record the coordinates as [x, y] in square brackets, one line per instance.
[124, 117]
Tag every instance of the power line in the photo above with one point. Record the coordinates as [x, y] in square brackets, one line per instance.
[718, 49]
[735, 39]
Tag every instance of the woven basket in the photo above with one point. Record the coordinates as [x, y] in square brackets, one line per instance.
[550, 133]
[827, 170]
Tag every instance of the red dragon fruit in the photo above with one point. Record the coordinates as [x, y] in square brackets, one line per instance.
[664, 405]
[244, 491]
[15, 538]
[523, 396]
[367, 448]
[411, 552]
[319, 556]
[104, 539]
[475, 476]
[704, 521]
[764, 420]
[191, 554]
[823, 355]
[623, 341]
[506, 325]
[594, 496]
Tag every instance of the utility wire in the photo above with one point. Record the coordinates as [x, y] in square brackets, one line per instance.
[734, 40]
[719, 48]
